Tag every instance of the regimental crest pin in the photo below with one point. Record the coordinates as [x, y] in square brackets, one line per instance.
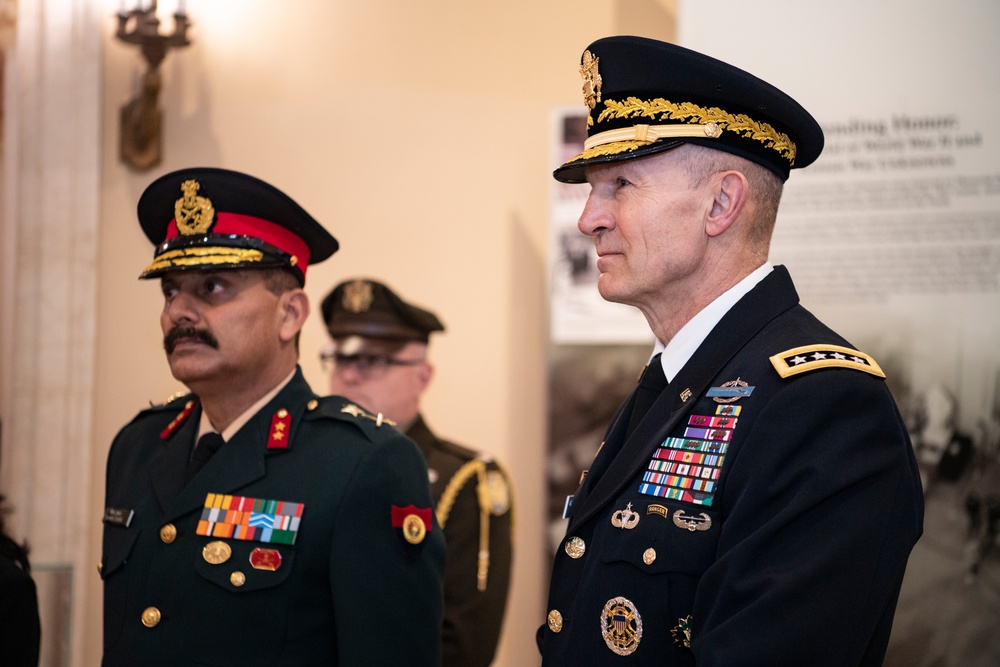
[194, 214]
[682, 632]
[621, 626]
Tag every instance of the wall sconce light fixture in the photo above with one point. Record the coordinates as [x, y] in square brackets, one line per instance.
[140, 118]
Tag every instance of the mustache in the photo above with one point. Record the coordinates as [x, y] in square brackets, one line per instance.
[188, 333]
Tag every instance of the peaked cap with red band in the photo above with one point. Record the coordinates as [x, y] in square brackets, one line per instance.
[206, 218]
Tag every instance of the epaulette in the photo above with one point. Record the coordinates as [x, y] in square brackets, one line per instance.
[814, 357]
[495, 498]
[337, 407]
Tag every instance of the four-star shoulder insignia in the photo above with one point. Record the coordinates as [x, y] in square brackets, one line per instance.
[813, 357]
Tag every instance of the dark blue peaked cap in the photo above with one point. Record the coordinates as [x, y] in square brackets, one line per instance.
[646, 96]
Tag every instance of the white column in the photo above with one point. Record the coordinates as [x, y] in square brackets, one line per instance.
[48, 289]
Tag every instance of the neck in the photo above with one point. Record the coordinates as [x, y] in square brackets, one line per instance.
[223, 405]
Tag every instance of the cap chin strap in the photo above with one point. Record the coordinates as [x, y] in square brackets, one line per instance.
[651, 133]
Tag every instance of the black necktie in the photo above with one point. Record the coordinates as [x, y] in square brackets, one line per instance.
[651, 385]
[208, 444]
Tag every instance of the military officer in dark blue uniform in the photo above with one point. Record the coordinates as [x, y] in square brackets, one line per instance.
[378, 358]
[252, 522]
[756, 498]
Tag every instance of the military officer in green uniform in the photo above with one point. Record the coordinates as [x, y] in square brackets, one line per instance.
[252, 522]
[378, 358]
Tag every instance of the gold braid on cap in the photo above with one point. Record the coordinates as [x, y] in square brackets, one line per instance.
[662, 109]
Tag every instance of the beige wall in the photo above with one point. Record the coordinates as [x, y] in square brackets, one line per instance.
[418, 134]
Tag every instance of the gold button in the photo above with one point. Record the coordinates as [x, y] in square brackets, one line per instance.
[216, 552]
[282, 413]
[555, 621]
[150, 617]
[237, 578]
[100, 568]
[312, 405]
[168, 533]
[575, 547]
[648, 556]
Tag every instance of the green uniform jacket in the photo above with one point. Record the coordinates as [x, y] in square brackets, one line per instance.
[350, 590]
[479, 497]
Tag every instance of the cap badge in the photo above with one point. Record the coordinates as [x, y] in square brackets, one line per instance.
[621, 626]
[194, 214]
[591, 80]
[357, 296]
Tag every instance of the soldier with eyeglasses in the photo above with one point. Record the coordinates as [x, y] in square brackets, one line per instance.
[378, 360]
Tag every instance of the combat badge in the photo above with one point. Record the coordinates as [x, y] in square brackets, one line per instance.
[411, 525]
[626, 518]
[621, 626]
[690, 522]
[730, 392]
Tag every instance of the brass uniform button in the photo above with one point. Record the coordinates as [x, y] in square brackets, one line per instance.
[100, 568]
[555, 621]
[151, 617]
[575, 547]
[168, 533]
[237, 578]
[648, 556]
[312, 405]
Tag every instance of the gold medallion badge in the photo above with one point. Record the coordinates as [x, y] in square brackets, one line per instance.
[682, 632]
[216, 552]
[621, 626]
[357, 296]
[194, 214]
[591, 80]
[414, 529]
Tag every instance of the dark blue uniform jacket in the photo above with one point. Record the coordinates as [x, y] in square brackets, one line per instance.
[750, 519]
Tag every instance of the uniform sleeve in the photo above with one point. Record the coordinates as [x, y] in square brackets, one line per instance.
[822, 507]
[473, 617]
[387, 604]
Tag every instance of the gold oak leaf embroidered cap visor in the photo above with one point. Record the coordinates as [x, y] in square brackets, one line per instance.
[208, 218]
[645, 96]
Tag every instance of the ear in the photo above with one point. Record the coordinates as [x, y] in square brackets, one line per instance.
[425, 375]
[293, 310]
[730, 194]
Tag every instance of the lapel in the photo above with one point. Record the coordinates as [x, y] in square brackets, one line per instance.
[242, 460]
[609, 449]
[167, 471]
[771, 297]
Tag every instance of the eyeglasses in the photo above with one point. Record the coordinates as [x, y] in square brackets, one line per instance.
[368, 366]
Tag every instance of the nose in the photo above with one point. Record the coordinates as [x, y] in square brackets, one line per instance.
[180, 309]
[595, 217]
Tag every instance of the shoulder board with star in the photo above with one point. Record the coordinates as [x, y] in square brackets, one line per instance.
[338, 407]
[815, 357]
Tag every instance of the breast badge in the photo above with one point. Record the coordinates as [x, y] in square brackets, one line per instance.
[625, 519]
[621, 626]
[682, 632]
[693, 523]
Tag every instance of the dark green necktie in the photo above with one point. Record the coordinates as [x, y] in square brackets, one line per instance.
[208, 444]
